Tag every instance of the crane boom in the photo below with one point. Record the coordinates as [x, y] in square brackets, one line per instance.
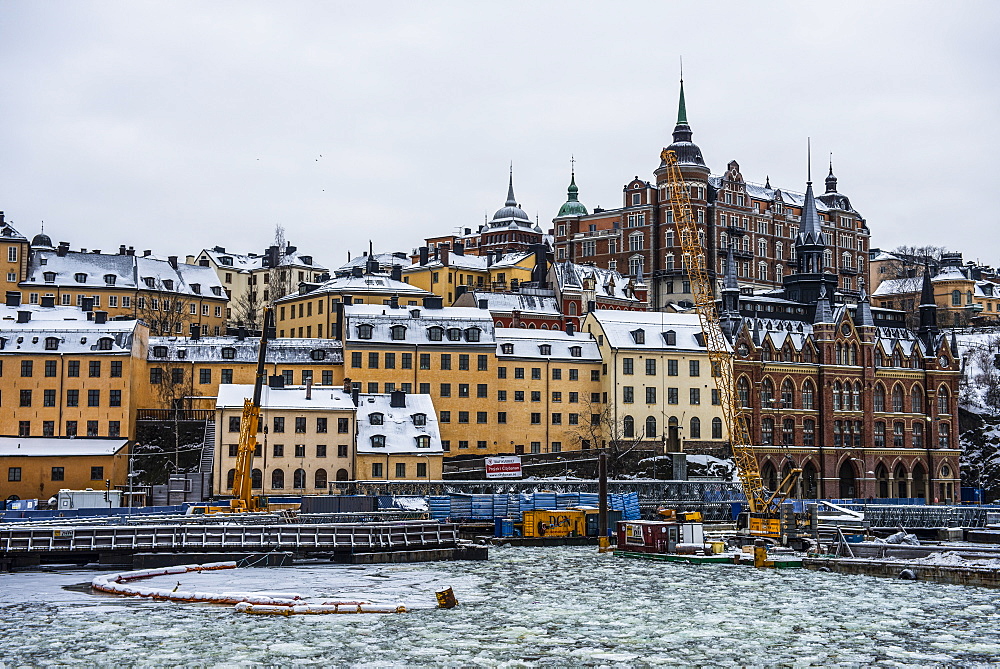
[243, 498]
[693, 256]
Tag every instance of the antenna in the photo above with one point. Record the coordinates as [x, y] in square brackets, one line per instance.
[809, 154]
[682, 68]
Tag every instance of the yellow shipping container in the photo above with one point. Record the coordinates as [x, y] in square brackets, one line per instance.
[554, 523]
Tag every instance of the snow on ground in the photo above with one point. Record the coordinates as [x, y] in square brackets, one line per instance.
[712, 466]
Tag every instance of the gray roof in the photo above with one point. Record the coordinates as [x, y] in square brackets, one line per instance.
[51, 447]
[620, 328]
[397, 426]
[529, 343]
[379, 284]
[383, 318]
[282, 350]
[232, 395]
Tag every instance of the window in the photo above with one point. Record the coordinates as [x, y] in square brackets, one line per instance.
[695, 428]
[650, 366]
[628, 427]
[878, 401]
[73, 398]
[808, 395]
[114, 428]
[536, 419]
[378, 441]
[694, 395]
[234, 423]
[228, 353]
[918, 435]
[627, 366]
[376, 419]
[421, 470]
[96, 473]
[879, 435]
[445, 390]
[177, 375]
[716, 428]
[397, 332]
[944, 435]
[114, 398]
[576, 351]
[672, 396]
[628, 394]
[445, 361]
[48, 398]
[24, 428]
[463, 417]
[226, 376]
[943, 400]
[376, 470]
[767, 431]
[25, 398]
[650, 395]
[14, 474]
[26, 367]
[536, 373]
[650, 426]
[670, 337]
[672, 368]
[472, 334]
[483, 363]
[321, 425]
[91, 428]
[94, 369]
[365, 331]
[694, 368]
[373, 360]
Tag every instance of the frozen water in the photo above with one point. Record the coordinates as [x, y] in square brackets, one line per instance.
[524, 607]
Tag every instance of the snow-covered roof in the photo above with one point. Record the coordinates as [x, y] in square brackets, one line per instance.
[384, 260]
[898, 286]
[418, 321]
[472, 263]
[609, 284]
[292, 398]
[790, 197]
[231, 349]
[40, 447]
[620, 329]
[73, 333]
[99, 270]
[529, 343]
[398, 425]
[367, 284]
[8, 232]
[240, 262]
[508, 302]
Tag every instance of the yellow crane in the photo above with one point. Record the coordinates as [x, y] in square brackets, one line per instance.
[763, 504]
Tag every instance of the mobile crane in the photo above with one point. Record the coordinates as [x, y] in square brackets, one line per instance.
[764, 516]
[244, 500]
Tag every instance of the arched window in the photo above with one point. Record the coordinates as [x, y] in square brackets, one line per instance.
[769, 475]
[878, 398]
[767, 431]
[320, 479]
[956, 298]
[788, 432]
[767, 392]
[628, 427]
[716, 428]
[810, 481]
[365, 331]
[856, 396]
[230, 477]
[882, 476]
[880, 435]
[435, 333]
[919, 487]
[944, 435]
[650, 426]
[897, 359]
[808, 432]
[342, 475]
[299, 479]
[787, 394]
[918, 434]
[899, 478]
[836, 396]
[943, 400]
[256, 479]
[278, 479]
[878, 359]
[695, 428]
[840, 353]
[572, 308]
[916, 399]
[848, 480]
[854, 355]
[808, 395]
[743, 391]
[897, 434]
[397, 332]
[897, 398]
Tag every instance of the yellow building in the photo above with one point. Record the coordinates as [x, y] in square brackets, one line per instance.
[656, 376]
[170, 297]
[398, 438]
[453, 273]
[62, 375]
[38, 468]
[960, 299]
[314, 311]
[306, 441]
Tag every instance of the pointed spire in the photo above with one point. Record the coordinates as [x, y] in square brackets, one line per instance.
[824, 313]
[730, 286]
[767, 182]
[810, 230]
[831, 180]
[863, 314]
[954, 345]
[511, 202]
[729, 280]
[682, 114]
[927, 290]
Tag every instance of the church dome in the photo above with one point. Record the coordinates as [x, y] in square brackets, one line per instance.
[510, 208]
[573, 206]
[41, 240]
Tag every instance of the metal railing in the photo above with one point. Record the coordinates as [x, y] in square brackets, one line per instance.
[175, 414]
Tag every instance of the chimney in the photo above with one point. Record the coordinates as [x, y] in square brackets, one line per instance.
[195, 332]
[309, 389]
[147, 253]
[276, 381]
[396, 273]
[459, 249]
[131, 251]
[468, 231]
[63, 249]
[397, 399]
[88, 304]
[394, 302]
[424, 255]
[569, 329]
[48, 301]
[483, 304]
[100, 317]
[13, 298]
[122, 250]
[489, 258]
[460, 291]
[347, 385]
[433, 302]
[444, 256]
[338, 324]
[355, 395]
[538, 273]
[357, 271]
[173, 261]
[241, 333]
[371, 265]
[591, 306]
[23, 316]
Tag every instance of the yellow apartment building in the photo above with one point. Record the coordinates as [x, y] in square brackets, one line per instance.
[398, 438]
[453, 273]
[305, 444]
[316, 313]
[62, 375]
[960, 299]
[657, 376]
[39, 467]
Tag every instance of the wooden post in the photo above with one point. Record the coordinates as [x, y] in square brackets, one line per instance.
[604, 545]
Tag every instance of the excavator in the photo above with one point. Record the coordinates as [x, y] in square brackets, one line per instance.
[244, 501]
[764, 519]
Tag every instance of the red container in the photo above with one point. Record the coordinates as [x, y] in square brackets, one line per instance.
[648, 536]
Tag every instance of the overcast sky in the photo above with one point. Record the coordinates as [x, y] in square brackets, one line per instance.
[178, 126]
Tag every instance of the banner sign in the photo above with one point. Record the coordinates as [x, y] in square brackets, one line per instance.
[503, 467]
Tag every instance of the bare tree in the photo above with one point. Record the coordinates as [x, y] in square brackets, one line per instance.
[164, 309]
[600, 430]
[279, 277]
[910, 261]
[247, 309]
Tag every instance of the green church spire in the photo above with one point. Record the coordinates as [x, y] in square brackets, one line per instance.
[682, 115]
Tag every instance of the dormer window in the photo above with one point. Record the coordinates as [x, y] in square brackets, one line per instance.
[149, 281]
[545, 349]
[181, 353]
[228, 353]
[576, 351]
[196, 288]
[419, 419]
[109, 279]
[423, 441]
[306, 260]
[376, 419]
[435, 333]
[378, 441]
[365, 331]
[318, 354]
[104, 343]
[397, 332]
[670, 338]
[507, 349]
[50, 277]
[52, 343]
[226, 260]
[80, 277]
[168, 284]
[216, 290]
[454, 334]
[639, 336]
[472, 334]
[160, 352]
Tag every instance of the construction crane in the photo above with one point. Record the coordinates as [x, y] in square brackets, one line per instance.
[764, 505]
[243, 498]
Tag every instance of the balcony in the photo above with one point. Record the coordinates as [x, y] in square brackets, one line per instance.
[597, 234]
[848, 270]
[734, 231]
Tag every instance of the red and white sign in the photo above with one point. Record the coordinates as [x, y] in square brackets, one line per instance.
[503, 467]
